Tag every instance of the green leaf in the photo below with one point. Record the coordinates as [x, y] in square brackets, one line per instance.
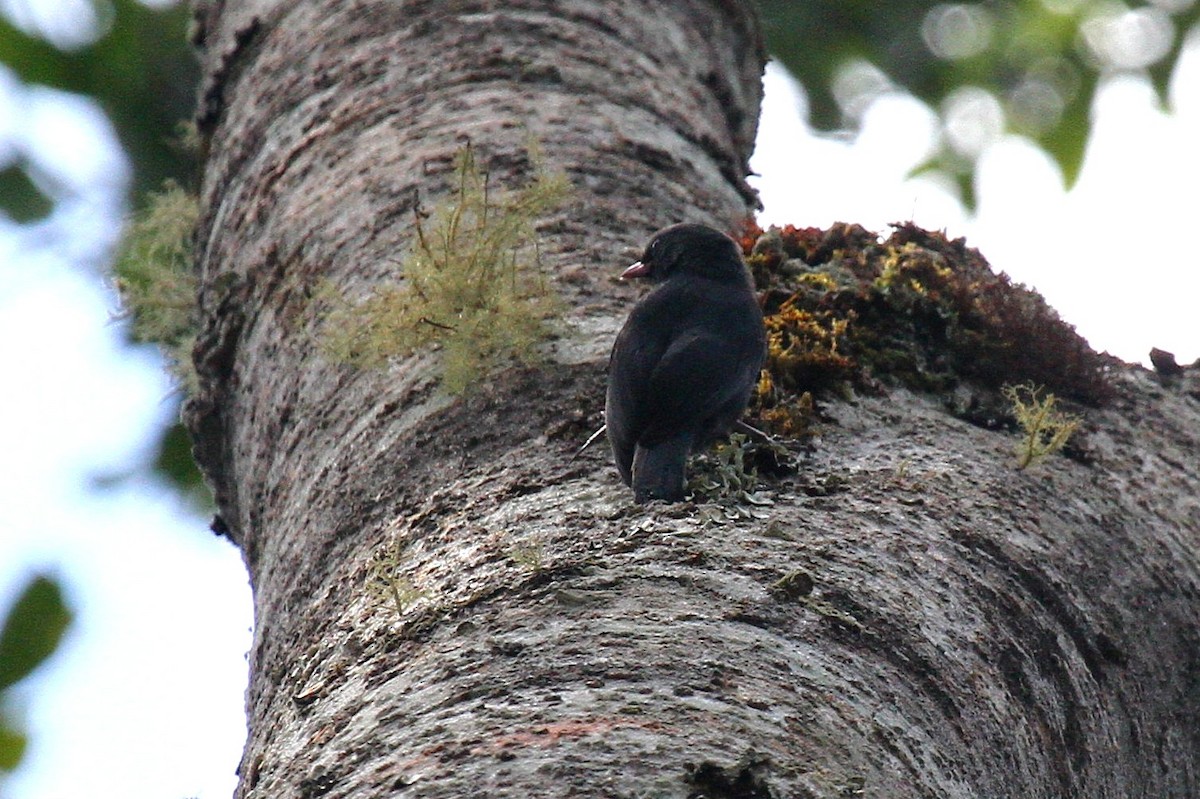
[1067, 142]
[20, 198]
[946, 163]
[847, 30]
[12, 746]
[33, 629]
[966, 189]
[140, 71]
[174, 460]
[1161, 71]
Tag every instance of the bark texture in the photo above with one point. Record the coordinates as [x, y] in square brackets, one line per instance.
[912, 618]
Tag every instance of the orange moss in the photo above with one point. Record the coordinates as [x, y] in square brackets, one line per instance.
[846, 309]
[784, 413]
[802, 348]
[746, 234]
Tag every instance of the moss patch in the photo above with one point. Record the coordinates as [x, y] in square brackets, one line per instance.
[848, 310]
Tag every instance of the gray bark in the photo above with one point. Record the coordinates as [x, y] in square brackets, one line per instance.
[972, 630]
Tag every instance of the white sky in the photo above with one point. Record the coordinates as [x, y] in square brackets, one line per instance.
[1109, 256]
[145, 699]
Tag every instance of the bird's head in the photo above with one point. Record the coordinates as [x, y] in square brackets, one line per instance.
[689, 249]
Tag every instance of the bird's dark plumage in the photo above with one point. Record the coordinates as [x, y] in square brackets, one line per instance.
[684, 365]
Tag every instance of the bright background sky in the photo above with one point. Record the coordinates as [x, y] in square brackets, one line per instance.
[145, 697]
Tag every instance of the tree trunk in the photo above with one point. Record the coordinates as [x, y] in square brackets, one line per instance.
[970, 631]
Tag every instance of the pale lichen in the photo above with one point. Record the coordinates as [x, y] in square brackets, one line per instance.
[472, 283]
[1044, 430]
[155, 275]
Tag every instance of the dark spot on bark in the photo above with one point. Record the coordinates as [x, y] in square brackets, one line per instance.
[219, 526]
[654, 157]
[317, 785]
[745, 779]
[1109, 650]
[212, 94]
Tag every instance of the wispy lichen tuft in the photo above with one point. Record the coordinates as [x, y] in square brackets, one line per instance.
[156, 278]
[387, 580]
[1044, 430]
[472, 283]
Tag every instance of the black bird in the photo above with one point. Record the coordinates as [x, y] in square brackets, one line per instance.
[684, 365]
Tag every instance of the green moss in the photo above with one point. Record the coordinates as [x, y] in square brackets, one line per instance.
[156, 278]
[804, 347]
[782, 411]
[846, 311]
[794, 585]
[472, 283]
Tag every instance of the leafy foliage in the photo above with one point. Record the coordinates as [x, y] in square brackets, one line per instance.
[1036, 63]
[20, 198]
[730, 472]
[140, 71]
[472, 283]
[32, 631]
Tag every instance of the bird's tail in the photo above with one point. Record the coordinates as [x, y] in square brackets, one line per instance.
[658, 471]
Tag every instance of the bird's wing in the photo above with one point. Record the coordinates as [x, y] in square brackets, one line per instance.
[635, 353]
[702, 377]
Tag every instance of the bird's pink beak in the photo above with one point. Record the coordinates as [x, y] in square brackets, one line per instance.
[636, 269]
